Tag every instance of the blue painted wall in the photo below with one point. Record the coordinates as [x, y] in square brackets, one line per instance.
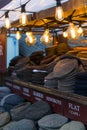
[12, 48]
[26, 50]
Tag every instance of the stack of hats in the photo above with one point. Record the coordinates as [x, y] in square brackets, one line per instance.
[51, 50]
[84, 61]
[62, 48]
[24, 74]
[52, 122]
[22, 62]
[50, 82]
[15, 60]
[65, 70]
[82, 54]
[72, 52]
[81, 84]
[64, 73]
[38, 76]
[36, 57]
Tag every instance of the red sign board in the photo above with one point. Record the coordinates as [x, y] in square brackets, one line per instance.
[75, 111]
[55, 102]
[26, 93]
[2, 52]
[37, 95]
[8, 84]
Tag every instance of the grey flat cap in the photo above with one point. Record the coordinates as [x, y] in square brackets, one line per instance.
[73, 125]
[52, 121]
[64, 67]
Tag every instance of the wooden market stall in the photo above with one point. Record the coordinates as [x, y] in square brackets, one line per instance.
[70, 105]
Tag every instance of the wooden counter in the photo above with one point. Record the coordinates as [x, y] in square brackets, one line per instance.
[70, 105]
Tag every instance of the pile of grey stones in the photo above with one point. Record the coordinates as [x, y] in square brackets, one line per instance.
[18, 114]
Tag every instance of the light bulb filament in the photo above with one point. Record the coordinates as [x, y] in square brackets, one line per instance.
[7, 23]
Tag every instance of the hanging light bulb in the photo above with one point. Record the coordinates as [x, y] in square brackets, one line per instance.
[23, 17]
[80, 30]
[18, 35]
[30, 39]
[7, 21]
[72, 32]
[46, 38]
[59, 13]
[65, 34]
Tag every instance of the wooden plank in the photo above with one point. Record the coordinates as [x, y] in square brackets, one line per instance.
[67, 6]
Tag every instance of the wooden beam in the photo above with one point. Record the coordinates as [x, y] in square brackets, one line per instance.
[67, 6]
[4, 3]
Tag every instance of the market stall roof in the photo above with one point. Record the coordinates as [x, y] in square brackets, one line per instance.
[31, 6]
[41, 12]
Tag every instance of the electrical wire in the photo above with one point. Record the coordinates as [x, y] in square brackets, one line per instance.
[15, 9]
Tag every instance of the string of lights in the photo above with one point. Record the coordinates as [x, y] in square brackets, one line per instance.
[71, 32]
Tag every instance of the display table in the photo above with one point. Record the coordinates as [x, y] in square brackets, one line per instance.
[68, 104]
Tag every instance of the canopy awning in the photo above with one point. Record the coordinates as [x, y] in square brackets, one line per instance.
[43, 12]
